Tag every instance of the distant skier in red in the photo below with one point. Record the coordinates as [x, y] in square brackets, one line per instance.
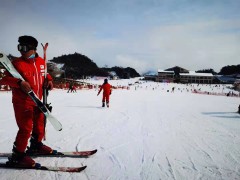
[107, 90]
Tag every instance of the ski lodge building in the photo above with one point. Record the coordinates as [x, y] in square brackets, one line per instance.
[178, 74]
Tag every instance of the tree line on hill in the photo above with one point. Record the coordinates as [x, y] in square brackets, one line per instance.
[226, 70]
[78, 66]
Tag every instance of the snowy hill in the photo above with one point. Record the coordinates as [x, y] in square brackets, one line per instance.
[148, 133]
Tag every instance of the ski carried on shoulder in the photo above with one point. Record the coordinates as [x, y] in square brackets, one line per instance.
[7, 64]
[44, 168]
[80, 154]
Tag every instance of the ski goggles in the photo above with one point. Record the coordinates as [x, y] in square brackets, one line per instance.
[25, 48]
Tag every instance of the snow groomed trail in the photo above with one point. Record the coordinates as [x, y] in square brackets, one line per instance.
[146, 134]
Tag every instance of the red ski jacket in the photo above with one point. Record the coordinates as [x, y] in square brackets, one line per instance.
[107, 89]
[32, 71]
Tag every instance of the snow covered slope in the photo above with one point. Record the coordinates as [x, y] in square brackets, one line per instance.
[148, 133]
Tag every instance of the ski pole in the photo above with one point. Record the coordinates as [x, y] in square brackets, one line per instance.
[44, 88]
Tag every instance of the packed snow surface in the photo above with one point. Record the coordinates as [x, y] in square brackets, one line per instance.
[148, 133]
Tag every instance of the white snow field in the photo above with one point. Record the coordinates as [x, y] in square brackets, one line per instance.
[148, 133]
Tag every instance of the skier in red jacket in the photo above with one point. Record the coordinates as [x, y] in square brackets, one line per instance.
[29, 118]
[107, 90]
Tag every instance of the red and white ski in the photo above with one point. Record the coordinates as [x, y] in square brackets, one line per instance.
[45, 168]
[80, 154]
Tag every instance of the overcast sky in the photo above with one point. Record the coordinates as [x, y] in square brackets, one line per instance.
[142, 34]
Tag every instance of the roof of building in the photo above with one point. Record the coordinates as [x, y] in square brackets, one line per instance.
[193, 73]
[184, 72]
[177, 69]
[160, 70]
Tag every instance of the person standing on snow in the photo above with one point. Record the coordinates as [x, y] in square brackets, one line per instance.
[70, 88]
[30, 120]
[107, 90]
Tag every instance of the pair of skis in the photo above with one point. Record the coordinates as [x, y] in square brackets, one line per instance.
[81, 154]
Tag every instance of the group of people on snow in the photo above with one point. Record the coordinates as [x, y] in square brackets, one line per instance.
[29, 118]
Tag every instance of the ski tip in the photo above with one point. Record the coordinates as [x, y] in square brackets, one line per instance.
[89, 153]
[82, 168]
[84, 154]
[75, 169]
[94, 151]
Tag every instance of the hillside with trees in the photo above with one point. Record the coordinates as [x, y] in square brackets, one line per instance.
[78, 66]
[123, 73]
[207, 71]
[229, 70]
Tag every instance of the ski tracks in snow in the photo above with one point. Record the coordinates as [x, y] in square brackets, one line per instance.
[117, 165]
[202, 156]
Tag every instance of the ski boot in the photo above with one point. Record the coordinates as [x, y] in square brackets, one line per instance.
[108, 104]
[103, 104]
[39, 148]
[20, 159]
